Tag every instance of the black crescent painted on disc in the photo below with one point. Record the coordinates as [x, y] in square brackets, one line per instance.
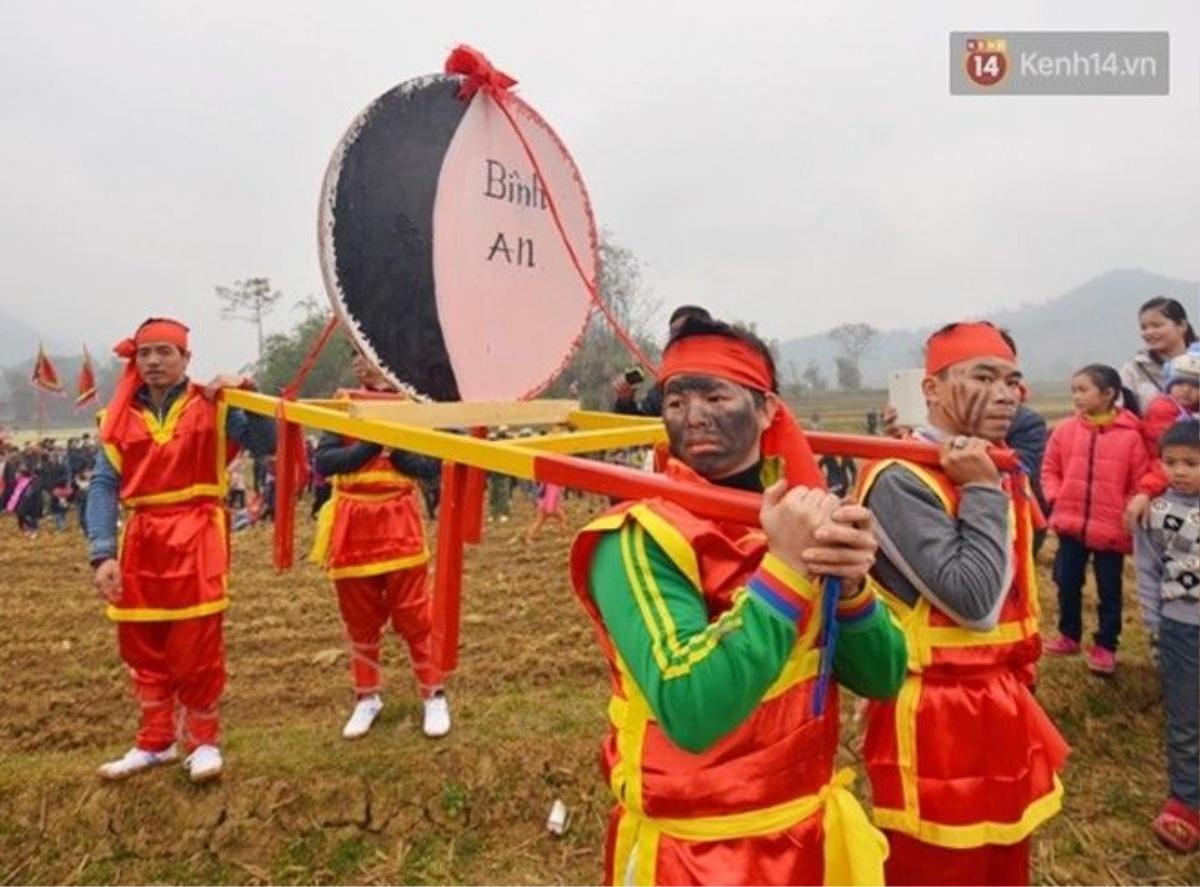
[376, 231]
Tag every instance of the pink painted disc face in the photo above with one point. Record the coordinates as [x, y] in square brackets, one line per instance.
[510, 302]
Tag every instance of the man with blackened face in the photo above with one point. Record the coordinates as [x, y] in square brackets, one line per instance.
[721, 752]
[963, 763]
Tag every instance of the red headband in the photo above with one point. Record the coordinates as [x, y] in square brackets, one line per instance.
[722, 356]
[156, 329]
[737, 361]
[965, 341]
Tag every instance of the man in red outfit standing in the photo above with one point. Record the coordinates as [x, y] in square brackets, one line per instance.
[371, 542]
[167, 443]
[963, 762]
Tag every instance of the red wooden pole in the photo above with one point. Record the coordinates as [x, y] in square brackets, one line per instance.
[625, 483]
[476, 484]
[716, 502]
[866, 447]
[447, 584]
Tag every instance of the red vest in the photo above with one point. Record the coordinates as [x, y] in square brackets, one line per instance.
[175, 543]
[965, 756]
[371, 524]
[779, 754]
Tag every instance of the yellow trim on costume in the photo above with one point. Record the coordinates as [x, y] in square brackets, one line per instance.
[794, 579]
[171, 497]
[322, 539]
[866, 593]
[1004, 633]
[645, 862]
[627, 853]
[801, 665]
[630, 716]
[670, 540]
[110, 450]
[804, 662]
[222, 462]
[673, 658]
[965, 837]
[914, 621]
[907, 701]
[605, 522]
[1031, 586]
[374, 569]
[853, 849]
[153, 614]
[163, 431]
[391, 478]
[323, 535]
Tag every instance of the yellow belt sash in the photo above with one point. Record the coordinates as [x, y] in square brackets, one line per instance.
[854, 849]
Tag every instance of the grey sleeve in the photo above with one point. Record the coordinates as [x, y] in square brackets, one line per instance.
[1148, 565]
[962, 565]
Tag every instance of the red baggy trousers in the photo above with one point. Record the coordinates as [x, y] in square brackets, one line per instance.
[913, 862]
[367, 602]
[176, 663]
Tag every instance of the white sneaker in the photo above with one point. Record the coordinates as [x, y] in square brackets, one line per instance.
[135, 760]
[366, 710]
[437, 715]
[204, 763]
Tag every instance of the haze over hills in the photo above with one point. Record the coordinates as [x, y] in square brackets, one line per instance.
[1095, 322]
[18, 341]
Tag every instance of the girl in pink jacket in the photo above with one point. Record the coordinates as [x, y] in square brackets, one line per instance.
[1093, 463]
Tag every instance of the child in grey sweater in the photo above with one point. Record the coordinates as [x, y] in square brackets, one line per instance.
[1168, 568]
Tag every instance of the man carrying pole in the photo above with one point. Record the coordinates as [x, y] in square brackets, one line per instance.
[371, 543]
[723, 739]
[964, 762]
[167, 442]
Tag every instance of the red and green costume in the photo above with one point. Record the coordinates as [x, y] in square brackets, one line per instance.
[720, 768]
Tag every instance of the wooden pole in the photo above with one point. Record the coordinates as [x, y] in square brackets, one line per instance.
[476, 485]
[447, 584]
[527, 462]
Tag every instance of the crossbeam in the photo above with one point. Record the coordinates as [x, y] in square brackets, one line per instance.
[547, 458]
[467, 414]
[511, 457]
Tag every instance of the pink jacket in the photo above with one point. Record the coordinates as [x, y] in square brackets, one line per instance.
[1088, 475]
[1161, 414]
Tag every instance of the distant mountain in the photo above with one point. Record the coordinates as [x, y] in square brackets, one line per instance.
[19, 340]
[1093, 323]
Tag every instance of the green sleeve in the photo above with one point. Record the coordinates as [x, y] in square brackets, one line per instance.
[871, 656]
[701, 679]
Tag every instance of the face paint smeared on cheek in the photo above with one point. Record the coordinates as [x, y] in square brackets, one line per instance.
[712, 426]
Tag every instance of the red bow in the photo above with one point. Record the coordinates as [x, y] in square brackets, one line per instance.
[479, 73]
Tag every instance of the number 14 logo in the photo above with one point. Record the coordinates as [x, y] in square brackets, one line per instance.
[986, 60]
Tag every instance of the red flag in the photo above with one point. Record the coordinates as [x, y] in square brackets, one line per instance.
[44, 375]
[86, 386]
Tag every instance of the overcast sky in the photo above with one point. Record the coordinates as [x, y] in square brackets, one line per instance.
[794, 164]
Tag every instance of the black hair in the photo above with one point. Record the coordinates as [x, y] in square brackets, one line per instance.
[1106, 378]
[707, 326]
[689, 311]
[1184, 433]
[1173, 311]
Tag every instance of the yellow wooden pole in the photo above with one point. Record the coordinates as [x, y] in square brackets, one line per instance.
[501, 456]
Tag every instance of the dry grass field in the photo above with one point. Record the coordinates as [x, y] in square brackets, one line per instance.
[299, 805]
